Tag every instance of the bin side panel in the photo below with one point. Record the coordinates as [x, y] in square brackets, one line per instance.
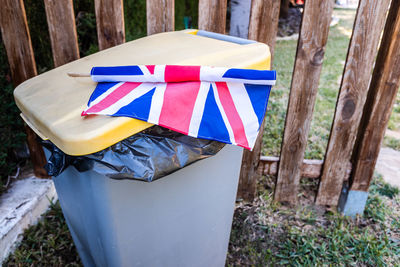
[85, 203]
[183, 219]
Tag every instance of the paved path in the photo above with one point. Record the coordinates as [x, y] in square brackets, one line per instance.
[388, 165]
[393, 134]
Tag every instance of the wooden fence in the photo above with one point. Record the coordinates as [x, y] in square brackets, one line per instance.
[363, 107]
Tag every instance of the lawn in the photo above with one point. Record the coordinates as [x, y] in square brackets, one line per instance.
[264, 232]
[335, 56]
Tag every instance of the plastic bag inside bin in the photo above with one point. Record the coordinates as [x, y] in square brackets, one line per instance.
[146, 156]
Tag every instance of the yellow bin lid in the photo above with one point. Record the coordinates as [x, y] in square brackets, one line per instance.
[52, 103]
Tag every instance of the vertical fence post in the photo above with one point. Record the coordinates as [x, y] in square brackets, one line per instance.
[382, 93]
[160, 16]
[263, 27]
[309, 57]
[17, 41]
[62, 30]
[212, 15]
[367, 30]
[110, 23]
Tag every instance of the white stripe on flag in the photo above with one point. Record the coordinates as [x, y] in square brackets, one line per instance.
[156, 103]
[145, 70]
[198, 109]
[105, 94]
[245, 109]
[211, 74]
[159, 71]
[235, 80]
[127, 78]
[134, 94]
[147, 76]
[215, 74]
[224, 117]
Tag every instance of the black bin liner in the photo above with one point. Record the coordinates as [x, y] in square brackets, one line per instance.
[146, 156]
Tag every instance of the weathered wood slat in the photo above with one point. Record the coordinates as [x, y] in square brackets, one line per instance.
[367, 30]
[381, 98]
[212, 15]
[307, 69]
[260, 29]
[110, 23]
[62, 30]
[17, 41]
[36, 153]
[160, 16]
[264, 17]
[310, 168]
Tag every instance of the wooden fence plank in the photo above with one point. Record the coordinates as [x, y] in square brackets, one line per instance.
[309, 57]
[160, 16]
[367, 30]
[212, 15]
[110, 23]
[36, 153]
[17, 41]
[381, 98]
[263, 27]
[62, 30]
[264, 17]
[310, 168]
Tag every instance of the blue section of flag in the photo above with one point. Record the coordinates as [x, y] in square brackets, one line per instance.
[258, 95]
[118, 70]
[100, 89]
[212, 125]
[139, 108]
[250, 74]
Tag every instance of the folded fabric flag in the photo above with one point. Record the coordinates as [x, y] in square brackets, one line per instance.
[223, 104]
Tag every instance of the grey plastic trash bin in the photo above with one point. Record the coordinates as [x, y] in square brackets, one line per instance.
[183, 219]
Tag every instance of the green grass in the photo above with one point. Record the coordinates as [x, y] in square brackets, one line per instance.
[268, 234]
[49, 243]
[394, 122]
[392, 142]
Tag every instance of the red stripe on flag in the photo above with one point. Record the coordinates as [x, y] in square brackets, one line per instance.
[151, 68]
[233, 116]
[181, 73]
[177, 109]
[116, 95]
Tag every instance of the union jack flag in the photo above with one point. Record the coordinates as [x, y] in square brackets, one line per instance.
[223, 104]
